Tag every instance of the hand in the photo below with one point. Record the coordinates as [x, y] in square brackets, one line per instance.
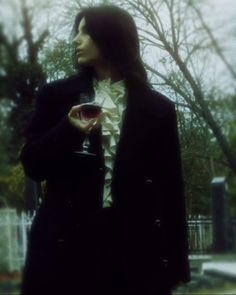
[85, 125]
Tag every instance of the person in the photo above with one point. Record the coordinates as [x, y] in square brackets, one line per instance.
[114, 222]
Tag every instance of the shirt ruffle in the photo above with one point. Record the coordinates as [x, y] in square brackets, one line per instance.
[112, 96]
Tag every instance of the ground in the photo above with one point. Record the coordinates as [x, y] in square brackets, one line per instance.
[210, 282]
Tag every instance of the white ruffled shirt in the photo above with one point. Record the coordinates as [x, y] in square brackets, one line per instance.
[112, 96]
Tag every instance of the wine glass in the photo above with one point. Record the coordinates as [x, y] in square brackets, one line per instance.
[88, 110]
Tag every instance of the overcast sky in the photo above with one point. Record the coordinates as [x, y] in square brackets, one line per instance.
[220, 12]
[220, 15]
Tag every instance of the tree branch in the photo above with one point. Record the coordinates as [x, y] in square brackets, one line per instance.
[215, 43]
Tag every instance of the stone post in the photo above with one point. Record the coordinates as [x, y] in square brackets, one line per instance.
[220, 215]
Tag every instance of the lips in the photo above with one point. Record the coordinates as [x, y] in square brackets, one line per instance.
[78, 51]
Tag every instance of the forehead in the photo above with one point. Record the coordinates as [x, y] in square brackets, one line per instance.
[81, 24]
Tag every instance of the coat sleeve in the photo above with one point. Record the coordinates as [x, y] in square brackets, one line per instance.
[47, 141]
[173, 213]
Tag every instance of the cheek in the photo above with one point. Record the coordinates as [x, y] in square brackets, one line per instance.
[91, 54]
[94, 53]
[94, 48]
[90, 57]
[97, 53]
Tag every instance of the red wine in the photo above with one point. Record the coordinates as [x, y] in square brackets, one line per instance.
[90, 110]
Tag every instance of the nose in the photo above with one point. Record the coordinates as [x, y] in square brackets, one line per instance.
[76, 39]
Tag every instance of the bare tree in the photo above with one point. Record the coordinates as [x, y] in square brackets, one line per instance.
[215, 44]
[21, 73]
[180, 44]
[177, 28]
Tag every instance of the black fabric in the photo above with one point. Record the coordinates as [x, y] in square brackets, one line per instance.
[139, 246]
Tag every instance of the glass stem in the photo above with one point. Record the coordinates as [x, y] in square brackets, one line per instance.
[86, 143]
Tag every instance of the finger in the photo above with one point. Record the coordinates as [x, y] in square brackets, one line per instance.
[88, 125]
[74, 114]
[75, 109]
[78, 106]
[90, 128]
[96, 124]
[100, 118]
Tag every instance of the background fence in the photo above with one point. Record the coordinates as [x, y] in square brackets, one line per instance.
[14, 230]
[200, 233]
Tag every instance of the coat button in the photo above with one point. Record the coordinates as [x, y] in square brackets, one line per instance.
[165, 262]
[60, 240]
[69, 203]
[148, 180]
[158, 222]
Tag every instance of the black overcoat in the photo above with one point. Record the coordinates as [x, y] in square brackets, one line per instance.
[73, 241]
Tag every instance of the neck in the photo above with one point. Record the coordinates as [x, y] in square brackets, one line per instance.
[105, 72]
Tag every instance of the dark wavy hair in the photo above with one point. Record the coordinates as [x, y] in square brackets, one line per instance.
[114, 31]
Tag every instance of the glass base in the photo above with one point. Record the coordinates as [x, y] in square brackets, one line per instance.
[86, 153]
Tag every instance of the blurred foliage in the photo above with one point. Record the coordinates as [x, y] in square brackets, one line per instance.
[21, 75]
[197, 161]
[203, 159]
[12, 187]
[57, 61]
[5, 135]
[227, 109]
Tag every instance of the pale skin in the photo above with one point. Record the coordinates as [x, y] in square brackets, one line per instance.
[89, 53]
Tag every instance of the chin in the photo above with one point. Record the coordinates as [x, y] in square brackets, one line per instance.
[90, 62]
[81, 61]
